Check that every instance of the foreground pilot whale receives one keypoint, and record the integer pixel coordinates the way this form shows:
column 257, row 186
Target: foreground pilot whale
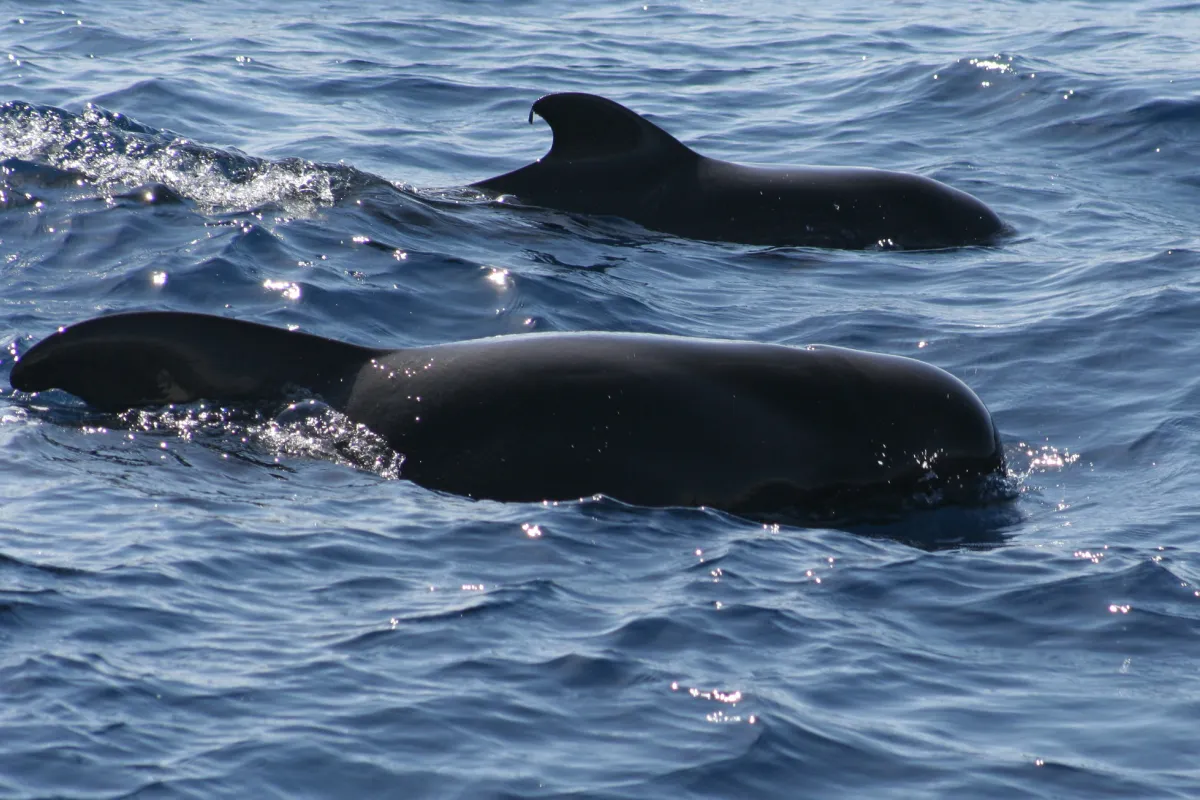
column 606, row 159
column 652, row 420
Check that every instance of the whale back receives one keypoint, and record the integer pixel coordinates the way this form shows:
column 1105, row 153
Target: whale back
column 154, row 358
column 664, row 420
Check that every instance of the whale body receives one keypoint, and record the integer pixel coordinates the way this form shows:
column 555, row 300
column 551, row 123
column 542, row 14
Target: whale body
column 646, row 419
column 608, row 160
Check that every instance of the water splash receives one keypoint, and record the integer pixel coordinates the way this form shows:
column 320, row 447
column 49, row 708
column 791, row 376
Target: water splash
column 106, row 151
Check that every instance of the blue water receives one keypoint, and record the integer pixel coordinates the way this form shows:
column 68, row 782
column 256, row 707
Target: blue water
column 204, row 604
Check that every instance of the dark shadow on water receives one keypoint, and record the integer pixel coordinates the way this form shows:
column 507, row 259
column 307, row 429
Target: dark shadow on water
column 949, row 528
column 987, row 524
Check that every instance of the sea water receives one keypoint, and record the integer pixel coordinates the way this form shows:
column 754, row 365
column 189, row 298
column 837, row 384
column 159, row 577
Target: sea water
column 206, row 602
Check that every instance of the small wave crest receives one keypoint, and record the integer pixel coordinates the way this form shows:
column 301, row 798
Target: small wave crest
column 111, row 152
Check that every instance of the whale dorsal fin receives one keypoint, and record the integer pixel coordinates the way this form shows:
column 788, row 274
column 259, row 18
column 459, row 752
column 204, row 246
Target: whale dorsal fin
column 589, row 126
column 157, row 357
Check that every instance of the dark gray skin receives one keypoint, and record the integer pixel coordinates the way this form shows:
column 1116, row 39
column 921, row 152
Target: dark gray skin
column 646, row 419
column 606, row 159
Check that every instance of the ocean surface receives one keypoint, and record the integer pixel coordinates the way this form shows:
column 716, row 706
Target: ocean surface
column 205, row 603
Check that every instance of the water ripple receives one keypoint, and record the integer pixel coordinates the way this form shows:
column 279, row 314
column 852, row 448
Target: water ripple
column 207, row 602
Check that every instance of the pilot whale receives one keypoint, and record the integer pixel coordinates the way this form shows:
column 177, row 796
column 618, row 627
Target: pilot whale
column 652, row 420
column 606, row 159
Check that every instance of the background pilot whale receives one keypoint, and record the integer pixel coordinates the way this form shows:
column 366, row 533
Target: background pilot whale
column 606, row 159
column 646, row 419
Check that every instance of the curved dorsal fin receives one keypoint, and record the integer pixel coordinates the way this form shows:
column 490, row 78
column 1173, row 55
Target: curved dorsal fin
column 590, row 126
column 157, row 357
